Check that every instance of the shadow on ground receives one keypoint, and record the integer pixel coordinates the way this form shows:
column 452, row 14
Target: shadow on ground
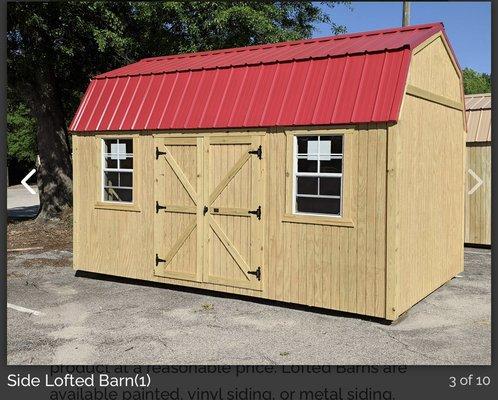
column 22, row 213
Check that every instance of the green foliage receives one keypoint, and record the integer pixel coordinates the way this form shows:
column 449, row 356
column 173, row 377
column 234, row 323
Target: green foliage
column 74, row 40
column 21, row 134
column 176, row 27
column 475, row 82
column 54, row 48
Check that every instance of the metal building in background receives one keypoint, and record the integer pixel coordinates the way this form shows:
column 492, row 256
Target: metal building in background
column 478, row 156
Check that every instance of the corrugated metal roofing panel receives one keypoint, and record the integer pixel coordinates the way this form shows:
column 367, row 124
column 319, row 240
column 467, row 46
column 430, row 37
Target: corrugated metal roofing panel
column 478, row 113
column 477, row 101
column 345, row 79
column 368, row 42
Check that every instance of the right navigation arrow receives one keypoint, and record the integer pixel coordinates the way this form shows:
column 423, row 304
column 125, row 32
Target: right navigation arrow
column 479, row 181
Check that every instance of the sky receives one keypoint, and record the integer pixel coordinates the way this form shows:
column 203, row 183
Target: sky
column 467, row 24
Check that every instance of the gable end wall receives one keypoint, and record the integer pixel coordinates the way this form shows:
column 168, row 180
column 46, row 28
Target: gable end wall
column 427, row 181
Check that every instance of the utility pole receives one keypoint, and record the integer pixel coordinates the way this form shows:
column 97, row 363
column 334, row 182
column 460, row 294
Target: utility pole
column 406, row 13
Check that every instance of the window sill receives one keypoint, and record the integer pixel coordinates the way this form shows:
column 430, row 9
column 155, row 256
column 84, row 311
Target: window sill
column 117, row 207
column 318, row 220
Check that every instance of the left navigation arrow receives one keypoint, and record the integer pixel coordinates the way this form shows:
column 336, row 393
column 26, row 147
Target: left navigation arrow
column 25, row 180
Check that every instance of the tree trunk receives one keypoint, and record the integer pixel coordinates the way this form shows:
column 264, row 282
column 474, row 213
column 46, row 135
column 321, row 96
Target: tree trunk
column 54, row 173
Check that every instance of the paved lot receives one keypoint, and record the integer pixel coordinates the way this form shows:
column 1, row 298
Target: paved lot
column 92, row 320
column 21, row 203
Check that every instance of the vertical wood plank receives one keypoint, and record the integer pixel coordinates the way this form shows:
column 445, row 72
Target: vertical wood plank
column 380, row 226
column 317, row 262
column 353, row 233
column 362, row 219
column 392, row 224
column 371, row 220
column 200, row 204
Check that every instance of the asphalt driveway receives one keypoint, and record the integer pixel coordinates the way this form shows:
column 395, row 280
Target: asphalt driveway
column 21, row 203
column 57, row 317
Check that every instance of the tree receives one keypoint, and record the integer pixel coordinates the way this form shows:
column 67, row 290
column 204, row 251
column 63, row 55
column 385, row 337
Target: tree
column 21, row 138
column 475, row 82
column 55, row 47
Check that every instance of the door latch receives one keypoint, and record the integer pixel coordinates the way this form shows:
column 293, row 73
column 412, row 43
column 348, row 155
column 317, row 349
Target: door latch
column 258, row 152
column 256, row 212
column 256, row 273
column 159, row 153
column 159, row 207
column 158, row 260
column 205, row 209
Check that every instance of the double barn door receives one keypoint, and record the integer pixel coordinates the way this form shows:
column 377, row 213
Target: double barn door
column 208, row 221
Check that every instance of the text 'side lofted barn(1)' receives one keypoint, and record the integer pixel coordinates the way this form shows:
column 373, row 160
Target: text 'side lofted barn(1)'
column 327, row 172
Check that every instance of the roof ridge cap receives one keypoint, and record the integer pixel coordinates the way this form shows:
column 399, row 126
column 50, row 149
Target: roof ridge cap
column 295, row 42
column 487, row 94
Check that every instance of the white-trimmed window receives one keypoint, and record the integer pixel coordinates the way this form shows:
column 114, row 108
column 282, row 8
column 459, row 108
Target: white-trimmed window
column 318, row 168
column 117, row 171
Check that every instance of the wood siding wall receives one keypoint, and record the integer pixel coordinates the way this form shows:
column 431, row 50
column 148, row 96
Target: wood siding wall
column 336, row 267
column 478, row 204
column 113, row 241
column 431, row 69
column 427, row 156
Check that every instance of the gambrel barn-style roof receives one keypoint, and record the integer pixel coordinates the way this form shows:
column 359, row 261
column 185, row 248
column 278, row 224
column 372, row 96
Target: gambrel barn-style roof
column 344, row 79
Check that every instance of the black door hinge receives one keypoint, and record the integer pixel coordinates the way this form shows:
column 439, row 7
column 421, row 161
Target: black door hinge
column 258, row 152
column 256, row 212
column 256, row 273
column 158, row 260
column 205, row 210
column 159, row 153
column 159, row 207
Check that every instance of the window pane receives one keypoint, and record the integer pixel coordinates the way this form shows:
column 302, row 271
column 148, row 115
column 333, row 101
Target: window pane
column 302, row 143
column 324, row 149
column 304, row 165
column 118, row 151
column 306, row 185
column 117, row 185
column 123, row 195
column 110, row 163
column 125, row 179
column 318, row 205
column 330, row 186
column 331, row 166
column 126, row 163
column 108, row 143
column 111, row 178
column 335, row 143
column 128, row 145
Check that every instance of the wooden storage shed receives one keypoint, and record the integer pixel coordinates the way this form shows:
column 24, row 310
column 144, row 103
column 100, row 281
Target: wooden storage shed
column 327, row 172
column 478, row 198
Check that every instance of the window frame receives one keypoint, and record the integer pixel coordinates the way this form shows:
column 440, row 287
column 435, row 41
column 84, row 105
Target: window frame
column 118, row 170
column 291, row 214
column 318, row 175
column 117, row 205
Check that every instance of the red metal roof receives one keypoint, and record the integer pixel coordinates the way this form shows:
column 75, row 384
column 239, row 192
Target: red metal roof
column 344, row 79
